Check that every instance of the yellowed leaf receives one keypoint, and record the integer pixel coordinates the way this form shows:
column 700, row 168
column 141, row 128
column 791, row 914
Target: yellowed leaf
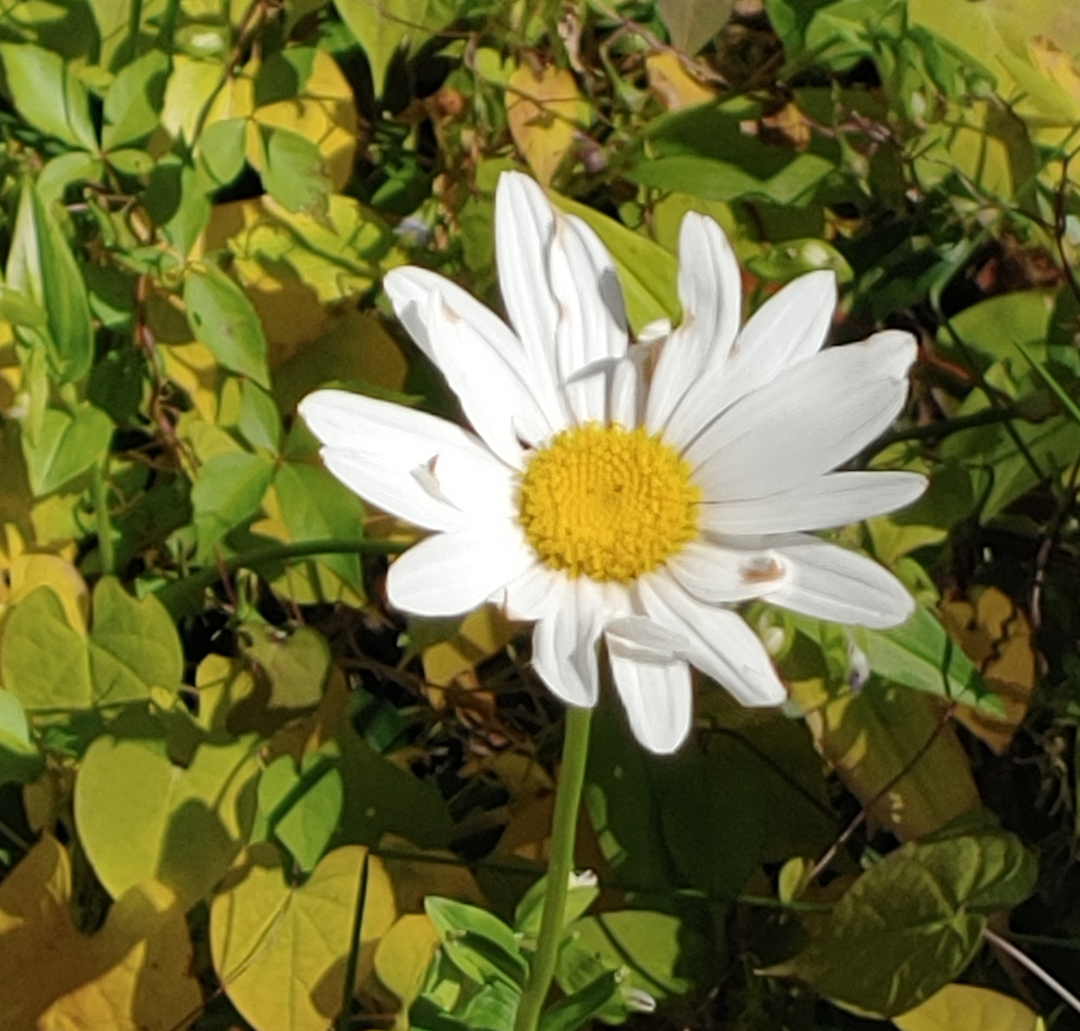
column 29, row 571
column 325, row 112
column 996, row 634
column 966, row 1007
column 402, row 959
column 133, row 975
column 482, row 633
column 873, row 735
column 281, row 949
column 675, row 87
column 544, row 111
column 191, row 84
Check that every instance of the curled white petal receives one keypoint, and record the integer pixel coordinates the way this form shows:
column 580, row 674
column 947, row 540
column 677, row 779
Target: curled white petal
column 375, row 448
column 839, row 585
column 656, row 692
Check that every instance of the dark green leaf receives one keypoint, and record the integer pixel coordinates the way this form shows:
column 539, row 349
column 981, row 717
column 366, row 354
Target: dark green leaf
column 914, row 920
column 223, row 319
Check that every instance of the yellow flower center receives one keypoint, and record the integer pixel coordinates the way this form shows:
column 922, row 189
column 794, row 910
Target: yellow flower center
column 607, row 503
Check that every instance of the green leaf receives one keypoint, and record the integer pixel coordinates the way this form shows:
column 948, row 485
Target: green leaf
column 281, row 949
column 477, row 942
column 577, row 1010
column 225, row 321
column 132, row 648
column 64, row 170
column 227, row 492
column 914, row 920
column 302, row 807
column 655, row 951
column 133, row 644
column 222, row 149
column 133, row 104
column 293, row 173
column 65, row 447
column 582, row 893
column 139, row 815
column 296, row 666
column 716, row 839
column 20, row 760
column 382, row 798
column 692, row 23
column 382, row 29
column 921, row 654
column 704, row 151
column 48, row 94
column 42, row 266
column 315, row 506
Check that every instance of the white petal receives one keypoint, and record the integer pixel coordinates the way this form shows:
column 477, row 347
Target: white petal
column 534, row 594
column 842, row 586
column 375, row 448
column 785, row 331
column 833, row 500
column 452, row 573
column 591, row 330
column 720, row 643
column 710, row 290
column 643, row 637
column 564, row 642
column 657, row 694
column 626, row 391
column 727, row 571
column 808, row 420
column 410, row 288
column 524, row 227
column 496, row 399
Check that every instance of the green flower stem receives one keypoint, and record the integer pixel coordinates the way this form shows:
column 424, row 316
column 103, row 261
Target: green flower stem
column 560, row 867
column 180, row 593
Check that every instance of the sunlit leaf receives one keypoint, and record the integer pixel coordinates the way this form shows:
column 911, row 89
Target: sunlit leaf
column 968, row 1007
column 48, row 94
column 544, row 111
column 280, row 949
column 134, row 974
column 140, row 815
column 131, row 649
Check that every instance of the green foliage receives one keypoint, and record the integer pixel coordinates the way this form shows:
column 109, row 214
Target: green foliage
column 237, row 790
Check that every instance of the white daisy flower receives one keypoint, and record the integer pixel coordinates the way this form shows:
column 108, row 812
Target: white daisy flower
column 606, row 501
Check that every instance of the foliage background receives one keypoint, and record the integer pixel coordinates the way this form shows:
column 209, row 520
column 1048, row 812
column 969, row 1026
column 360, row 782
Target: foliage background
column 217, row 744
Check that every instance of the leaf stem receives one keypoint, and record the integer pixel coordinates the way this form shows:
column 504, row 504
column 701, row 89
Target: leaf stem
column 101, row 512
column 560, row 867
column 174, row 595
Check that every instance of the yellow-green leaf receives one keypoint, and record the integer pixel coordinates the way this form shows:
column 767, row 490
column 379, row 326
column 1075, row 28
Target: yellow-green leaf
column 280, row 949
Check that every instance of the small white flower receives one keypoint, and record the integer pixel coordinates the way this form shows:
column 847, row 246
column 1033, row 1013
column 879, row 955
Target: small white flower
column 601, row 500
